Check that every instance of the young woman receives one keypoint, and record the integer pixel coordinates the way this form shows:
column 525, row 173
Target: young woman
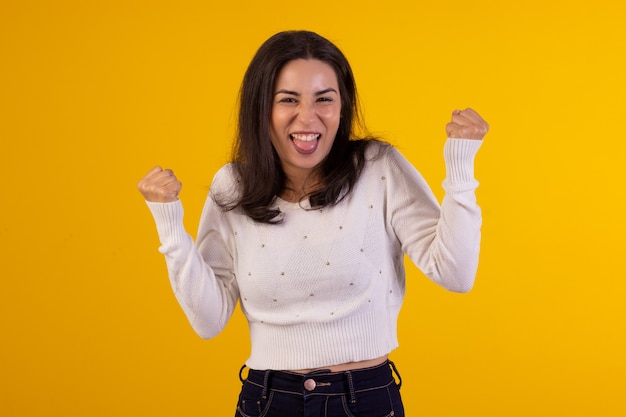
column 307, row 228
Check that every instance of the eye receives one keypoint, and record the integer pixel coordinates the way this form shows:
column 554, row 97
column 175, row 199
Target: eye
column 287, row 100
column 325, row 99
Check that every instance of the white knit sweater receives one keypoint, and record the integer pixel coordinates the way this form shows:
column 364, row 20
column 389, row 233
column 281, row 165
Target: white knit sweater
column 325, row 286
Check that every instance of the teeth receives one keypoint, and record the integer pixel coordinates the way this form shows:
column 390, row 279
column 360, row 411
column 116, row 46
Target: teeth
column 305, row 138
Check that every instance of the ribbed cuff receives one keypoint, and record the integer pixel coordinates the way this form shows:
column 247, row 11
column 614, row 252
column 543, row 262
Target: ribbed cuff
column 169, row 221
column 459, row 156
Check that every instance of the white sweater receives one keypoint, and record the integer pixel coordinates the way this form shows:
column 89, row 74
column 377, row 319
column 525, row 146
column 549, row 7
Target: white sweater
column 325, row 286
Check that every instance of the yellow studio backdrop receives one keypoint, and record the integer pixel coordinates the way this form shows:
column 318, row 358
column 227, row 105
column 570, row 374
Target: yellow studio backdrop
column 94, row 94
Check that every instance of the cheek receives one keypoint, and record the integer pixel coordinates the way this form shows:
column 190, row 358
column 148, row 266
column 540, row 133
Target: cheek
column 331, row 116
column 279, row 121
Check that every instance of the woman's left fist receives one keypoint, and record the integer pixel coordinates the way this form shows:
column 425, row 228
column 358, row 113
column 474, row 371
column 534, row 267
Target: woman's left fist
column 467, row 124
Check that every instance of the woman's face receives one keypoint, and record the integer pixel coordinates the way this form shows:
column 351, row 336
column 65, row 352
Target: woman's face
column 306, row 109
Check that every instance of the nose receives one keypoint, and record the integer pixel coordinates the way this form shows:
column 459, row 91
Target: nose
column 307, row 112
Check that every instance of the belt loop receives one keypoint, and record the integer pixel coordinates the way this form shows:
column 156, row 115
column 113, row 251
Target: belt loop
column 266, row 378
column 395, row 370
column 240, row 373
column 351, row 387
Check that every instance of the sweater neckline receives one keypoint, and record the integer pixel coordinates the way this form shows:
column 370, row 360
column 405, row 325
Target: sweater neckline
column 284, row 204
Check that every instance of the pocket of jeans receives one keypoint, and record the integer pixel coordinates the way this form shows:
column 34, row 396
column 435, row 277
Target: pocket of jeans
column 348, row 407
column 381, row 402
column 251, row 401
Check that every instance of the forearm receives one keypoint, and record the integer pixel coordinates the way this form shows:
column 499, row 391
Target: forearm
column 200, row 293
column 461, row 219
column 443, row 241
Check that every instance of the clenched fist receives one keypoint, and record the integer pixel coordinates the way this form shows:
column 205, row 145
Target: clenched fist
column 160, row 186
column 466, row 124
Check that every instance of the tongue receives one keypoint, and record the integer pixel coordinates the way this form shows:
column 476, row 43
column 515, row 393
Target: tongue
column 305, row 146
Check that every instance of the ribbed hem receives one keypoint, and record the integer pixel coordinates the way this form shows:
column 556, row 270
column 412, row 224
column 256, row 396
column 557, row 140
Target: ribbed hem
column 459, row 156
column 314, row 345
column 169, row 221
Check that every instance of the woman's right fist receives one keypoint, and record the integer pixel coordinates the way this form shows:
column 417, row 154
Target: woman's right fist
column 160, row 186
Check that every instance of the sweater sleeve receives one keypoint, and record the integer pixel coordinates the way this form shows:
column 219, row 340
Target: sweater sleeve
column 200, row 274
column 443, row 241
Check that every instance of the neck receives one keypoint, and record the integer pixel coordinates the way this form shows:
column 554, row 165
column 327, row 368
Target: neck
column 298, row 187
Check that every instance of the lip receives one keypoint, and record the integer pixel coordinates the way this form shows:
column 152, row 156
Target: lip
column 305, row 143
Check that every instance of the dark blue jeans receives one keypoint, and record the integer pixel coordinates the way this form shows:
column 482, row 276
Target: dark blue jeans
column 368, row 392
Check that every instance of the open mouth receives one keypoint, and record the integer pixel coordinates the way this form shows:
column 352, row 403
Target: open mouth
column 305, row 143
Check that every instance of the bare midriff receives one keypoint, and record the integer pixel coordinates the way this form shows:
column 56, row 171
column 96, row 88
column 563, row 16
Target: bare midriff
column 347, row 366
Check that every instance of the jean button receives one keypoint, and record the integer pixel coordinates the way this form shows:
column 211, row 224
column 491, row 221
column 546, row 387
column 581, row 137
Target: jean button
column 309, row 384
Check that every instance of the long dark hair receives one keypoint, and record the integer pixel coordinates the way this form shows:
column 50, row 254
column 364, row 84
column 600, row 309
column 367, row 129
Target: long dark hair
column 259, row 172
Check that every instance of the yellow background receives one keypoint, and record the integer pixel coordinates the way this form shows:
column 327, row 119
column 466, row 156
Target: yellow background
column 95, row 93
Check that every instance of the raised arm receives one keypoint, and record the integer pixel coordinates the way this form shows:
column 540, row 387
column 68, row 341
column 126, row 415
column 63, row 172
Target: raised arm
column 443, row 240
column 202, row 282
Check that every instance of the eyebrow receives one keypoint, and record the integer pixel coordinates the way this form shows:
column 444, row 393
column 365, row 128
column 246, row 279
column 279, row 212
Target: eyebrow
column 317, row 93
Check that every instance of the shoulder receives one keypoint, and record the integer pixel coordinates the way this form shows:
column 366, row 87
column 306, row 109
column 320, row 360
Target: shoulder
column 385, row 162
column 384, row 156
column 226, row 176
column 225, row 182
column 375, row 149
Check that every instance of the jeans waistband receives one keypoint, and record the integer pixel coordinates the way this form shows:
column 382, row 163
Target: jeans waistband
column 323, row 381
